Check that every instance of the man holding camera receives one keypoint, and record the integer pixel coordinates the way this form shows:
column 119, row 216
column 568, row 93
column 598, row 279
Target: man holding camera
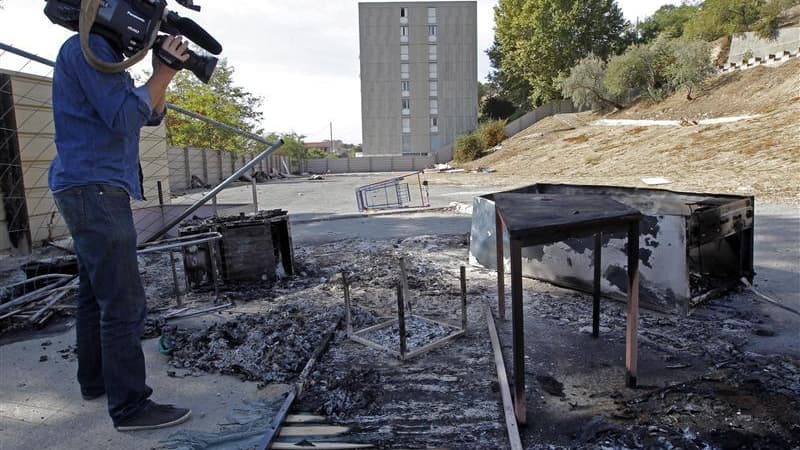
column 98, row 119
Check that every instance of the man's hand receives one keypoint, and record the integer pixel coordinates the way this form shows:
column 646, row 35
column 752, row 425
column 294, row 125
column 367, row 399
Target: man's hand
column 173, row 48
column 162, row 73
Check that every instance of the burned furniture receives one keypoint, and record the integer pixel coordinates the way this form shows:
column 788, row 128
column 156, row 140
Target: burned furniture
column 540, row 219
column 693, row 246
column 253, row 249
column 402, row 322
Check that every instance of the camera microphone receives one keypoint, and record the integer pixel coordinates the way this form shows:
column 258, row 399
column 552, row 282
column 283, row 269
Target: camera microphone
column 194, row 32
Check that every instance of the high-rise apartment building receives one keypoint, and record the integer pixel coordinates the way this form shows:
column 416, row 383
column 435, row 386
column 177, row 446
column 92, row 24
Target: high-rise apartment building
column 419, row 80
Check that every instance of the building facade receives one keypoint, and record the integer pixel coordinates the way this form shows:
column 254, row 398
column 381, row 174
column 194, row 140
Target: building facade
column 419, row 75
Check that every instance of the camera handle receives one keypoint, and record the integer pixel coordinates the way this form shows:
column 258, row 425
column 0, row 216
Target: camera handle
column 89, row 9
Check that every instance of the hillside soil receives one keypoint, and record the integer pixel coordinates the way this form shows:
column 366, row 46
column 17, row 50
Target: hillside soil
column 757, row 156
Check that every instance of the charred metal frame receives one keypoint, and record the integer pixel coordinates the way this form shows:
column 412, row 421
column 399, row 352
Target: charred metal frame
column 403, row 303
column 693, row 246
column 395, row 193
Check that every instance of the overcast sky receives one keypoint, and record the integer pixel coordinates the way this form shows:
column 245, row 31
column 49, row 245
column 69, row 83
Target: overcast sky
column 301, row 56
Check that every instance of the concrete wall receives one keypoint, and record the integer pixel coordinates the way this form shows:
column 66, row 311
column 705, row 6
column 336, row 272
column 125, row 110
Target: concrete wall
column 211, row 166
column 381, row 96
column 445, row 153
column 36, row 132
column 369, row 164
column 786, row 39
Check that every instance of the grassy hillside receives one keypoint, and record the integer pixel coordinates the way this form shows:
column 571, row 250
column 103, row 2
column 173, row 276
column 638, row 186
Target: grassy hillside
column 758, row 156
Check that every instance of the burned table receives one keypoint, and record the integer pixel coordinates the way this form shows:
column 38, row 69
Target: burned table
column 540, row 219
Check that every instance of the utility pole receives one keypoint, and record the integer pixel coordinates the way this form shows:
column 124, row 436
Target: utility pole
column 332, row 148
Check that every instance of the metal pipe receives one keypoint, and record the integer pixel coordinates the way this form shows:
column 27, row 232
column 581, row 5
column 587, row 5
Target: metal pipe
column 180, row 242
column 220, row 187
column 35, row 295
column 178, row 299
column 40, row 277
column 25, row 54
column 255, row 194
column 401, row 322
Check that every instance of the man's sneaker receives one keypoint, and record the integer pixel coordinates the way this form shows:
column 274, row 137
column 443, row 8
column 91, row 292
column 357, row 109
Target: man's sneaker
column 90, row 397
column 154, row 416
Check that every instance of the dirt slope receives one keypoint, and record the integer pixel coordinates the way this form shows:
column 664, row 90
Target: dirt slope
column 758, row 156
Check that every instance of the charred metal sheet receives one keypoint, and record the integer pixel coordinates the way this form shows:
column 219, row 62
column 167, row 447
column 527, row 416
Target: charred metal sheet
column 690, row 245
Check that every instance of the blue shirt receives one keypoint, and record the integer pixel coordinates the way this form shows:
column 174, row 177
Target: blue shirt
column 98, row 118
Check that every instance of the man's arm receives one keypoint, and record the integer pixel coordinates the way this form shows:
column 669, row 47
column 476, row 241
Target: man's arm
column 163, row 74
column 121, row 107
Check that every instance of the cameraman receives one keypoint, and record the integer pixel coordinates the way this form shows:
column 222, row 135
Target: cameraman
column 98, row 118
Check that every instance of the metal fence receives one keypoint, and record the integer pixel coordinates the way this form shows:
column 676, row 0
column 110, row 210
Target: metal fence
column 28, row 215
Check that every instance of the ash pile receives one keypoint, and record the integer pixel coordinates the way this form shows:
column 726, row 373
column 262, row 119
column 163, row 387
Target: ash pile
column 268, row 348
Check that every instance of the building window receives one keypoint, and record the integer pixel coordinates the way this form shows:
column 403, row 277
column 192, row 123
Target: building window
column 434, row 89
column 404, row 12
column 403, row 33
column 432, row 53
column 404, row 53
column 405, row 86
column 406, row 125
column 406, row 143
column 434, row 106
column 431, row 15
column 432, row 31
column 406, row 106
column 404, row 71
column 434, row 124
column 433, row 71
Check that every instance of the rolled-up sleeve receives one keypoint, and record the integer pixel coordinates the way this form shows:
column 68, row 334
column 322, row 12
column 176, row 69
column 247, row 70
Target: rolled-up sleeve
column 156, row 118
column 120, row 106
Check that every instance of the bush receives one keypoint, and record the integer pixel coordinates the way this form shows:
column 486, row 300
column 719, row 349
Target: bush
column 468, row 148
column 492, row 133
column 585, row 85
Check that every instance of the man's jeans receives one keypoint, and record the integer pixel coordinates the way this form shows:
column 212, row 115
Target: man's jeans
column 111, row 300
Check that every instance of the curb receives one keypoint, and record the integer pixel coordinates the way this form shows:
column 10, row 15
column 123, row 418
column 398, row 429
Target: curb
column 368, row 215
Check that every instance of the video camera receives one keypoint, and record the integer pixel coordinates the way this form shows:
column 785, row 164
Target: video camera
column 133, row 26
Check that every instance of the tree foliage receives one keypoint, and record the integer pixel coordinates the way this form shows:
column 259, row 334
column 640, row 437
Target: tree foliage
column 220, row 100
column 643, row 69
column 718, row 18
column 585, row 85
column 496, row 107
column 668, row 20
column 538, row 41
column 691, row 65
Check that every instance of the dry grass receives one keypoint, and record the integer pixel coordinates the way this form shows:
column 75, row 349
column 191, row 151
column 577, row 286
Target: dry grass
column 758, row 156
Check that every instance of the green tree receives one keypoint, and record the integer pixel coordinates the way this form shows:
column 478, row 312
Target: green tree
column 642, row 68
column 668, row 20
column 220, row 100
column 718, row 18
column 538, row 41
column 585, row 85
column 769, row 20
column 692, row 64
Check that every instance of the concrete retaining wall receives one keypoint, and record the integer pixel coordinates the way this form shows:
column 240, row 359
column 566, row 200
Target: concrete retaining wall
column 786, row 39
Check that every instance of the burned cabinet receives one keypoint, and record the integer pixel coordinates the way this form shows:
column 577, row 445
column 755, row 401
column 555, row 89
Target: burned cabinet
column 693, row 245
column 254, row 249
